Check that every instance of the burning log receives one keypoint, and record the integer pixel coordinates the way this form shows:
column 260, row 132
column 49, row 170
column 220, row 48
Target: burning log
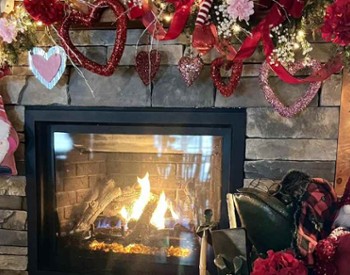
column 129, row 196
column 102, row 196
column 143, row 226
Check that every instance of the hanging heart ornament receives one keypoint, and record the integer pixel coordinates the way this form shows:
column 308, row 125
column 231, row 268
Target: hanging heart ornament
column 300, row 104
column 87, row 21
column 48, row 67
column 190, row 68
column 147, row 65
column 226, row 88
column 4, row 70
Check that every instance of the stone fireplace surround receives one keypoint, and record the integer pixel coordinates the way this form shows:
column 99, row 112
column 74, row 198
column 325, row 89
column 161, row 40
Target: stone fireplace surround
column 273, row 145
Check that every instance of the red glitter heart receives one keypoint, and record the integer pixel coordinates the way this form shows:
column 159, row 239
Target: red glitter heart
column 190, row 68
column 145, row 60
column 226, row 89
column 75, row 18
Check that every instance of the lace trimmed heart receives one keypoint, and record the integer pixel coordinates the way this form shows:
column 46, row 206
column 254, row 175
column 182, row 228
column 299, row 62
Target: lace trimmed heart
column 300, row 104
column 88, row 20
column 147, row 65
column 226, row 89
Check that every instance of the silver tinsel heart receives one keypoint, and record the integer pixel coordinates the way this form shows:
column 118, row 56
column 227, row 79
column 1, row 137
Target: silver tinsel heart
column 190, row 69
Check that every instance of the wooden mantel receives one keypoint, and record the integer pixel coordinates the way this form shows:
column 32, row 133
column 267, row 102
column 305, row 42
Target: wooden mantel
column 343, row 154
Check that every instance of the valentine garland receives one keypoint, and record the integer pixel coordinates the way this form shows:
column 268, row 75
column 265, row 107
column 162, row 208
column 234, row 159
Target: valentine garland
column 281, row 27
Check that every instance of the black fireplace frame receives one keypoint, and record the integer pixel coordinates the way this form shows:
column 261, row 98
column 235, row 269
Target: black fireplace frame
column 42, row 121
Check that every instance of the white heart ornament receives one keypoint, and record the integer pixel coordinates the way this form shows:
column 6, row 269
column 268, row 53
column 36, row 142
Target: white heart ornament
column 7, row 6
column 48, row 67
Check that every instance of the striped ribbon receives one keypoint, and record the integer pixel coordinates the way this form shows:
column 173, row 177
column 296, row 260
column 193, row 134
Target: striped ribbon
column 203, row 14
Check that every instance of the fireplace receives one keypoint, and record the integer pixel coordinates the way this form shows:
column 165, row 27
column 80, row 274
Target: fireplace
column 122, row 191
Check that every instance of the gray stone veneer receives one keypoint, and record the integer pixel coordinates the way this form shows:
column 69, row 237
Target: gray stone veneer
column 274, row 144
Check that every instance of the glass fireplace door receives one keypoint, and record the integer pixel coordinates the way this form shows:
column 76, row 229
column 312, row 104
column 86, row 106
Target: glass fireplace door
column 136, row 194
column 122, row 191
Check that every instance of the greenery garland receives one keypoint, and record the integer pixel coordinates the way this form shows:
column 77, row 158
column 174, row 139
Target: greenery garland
column 21, row 28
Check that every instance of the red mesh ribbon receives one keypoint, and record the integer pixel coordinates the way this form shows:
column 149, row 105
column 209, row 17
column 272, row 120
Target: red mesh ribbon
column 148, row 18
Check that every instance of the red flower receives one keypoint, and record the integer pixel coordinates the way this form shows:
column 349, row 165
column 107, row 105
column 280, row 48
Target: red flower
column 46, row 11
column 279, row 263
column 336, row 26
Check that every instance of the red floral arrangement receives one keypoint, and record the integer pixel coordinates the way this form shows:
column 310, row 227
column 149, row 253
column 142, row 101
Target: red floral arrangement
column 46, row 11
column 336, row 26
column 281, row 263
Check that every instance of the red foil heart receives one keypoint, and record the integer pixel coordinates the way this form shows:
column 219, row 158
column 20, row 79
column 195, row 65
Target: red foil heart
column 88, row 21
column 4, row 70
column 302, row 102
column 226, row 89
column 147, row 65
column 190, row 68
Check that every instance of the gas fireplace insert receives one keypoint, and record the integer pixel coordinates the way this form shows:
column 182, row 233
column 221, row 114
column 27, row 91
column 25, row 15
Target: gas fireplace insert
column 122, row 190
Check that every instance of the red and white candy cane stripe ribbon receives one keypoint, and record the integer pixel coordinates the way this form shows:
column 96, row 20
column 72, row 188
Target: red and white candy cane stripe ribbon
column 203, row 14
column 203, row 39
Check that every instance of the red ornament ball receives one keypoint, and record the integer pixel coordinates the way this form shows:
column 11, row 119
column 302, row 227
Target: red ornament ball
column 46, row 11
column 325, row 249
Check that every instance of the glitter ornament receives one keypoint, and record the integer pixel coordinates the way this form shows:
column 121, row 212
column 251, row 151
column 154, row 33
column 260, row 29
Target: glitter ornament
column 226, row 89
column 88, row 20
column 301, row 103
column 147, row 65
column 190, row 68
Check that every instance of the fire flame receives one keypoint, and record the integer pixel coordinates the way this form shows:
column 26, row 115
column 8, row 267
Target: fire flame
column 158, row 216
column 124, row 213
column 142, row 201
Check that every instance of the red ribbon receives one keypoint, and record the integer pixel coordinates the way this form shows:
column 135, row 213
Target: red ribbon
column 151, row 23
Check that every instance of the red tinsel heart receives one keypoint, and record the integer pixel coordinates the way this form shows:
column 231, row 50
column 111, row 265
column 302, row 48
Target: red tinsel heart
column 147, row 65
column 190, row 68
column 226, row 89
column 88, row 20
column 46, row 11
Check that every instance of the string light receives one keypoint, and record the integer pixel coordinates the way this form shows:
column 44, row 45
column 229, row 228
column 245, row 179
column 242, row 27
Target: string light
column 301, row 34
column 236, row 28
column 167, row 18
column 39, row 23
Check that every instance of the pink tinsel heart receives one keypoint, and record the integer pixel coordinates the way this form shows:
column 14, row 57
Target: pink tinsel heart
column 302, row 102
column 147, row 65
column 190, row 68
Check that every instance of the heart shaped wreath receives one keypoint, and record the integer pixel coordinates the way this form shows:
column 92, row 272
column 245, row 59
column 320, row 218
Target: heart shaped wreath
column 302, row 102
column 88, row 20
